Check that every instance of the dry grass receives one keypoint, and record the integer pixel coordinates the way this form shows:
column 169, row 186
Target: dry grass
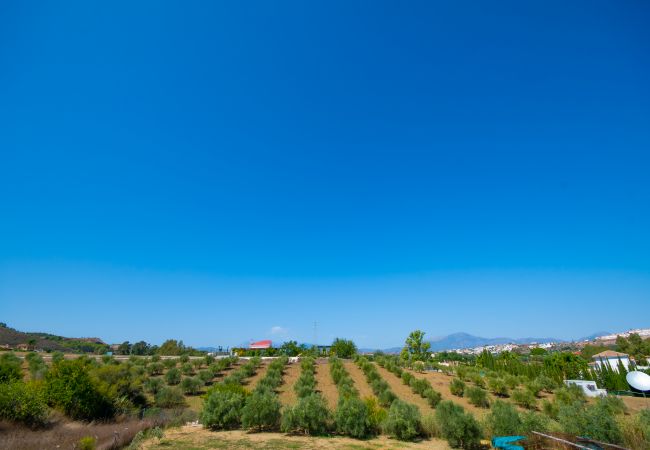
column 66, row 434
column 325, row 385
column 197, row 438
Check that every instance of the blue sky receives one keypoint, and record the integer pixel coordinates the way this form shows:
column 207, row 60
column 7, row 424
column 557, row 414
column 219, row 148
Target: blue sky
column 225, row 172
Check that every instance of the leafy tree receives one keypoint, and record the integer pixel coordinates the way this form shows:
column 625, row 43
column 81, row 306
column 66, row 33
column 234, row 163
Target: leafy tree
column 70, row 388
column 171, row 347
column 498, row 387
column 417, row 348
column 153, row 385
column 458, row 427
column 524, row 398
column 140, row 348
column 403, row 421
column 538, row 351
column 343, row 348
column 121, row 382
column 222, row 409
column 124, row 348
column 187, row 369
column 290, row 348
column 10, row 368
column 261, row 411
column 310, row 416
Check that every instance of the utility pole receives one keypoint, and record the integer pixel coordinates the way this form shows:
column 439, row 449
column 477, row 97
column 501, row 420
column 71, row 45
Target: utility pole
column 316, row 336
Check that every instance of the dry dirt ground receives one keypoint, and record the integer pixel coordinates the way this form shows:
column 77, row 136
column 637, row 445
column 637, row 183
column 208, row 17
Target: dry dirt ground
column 359, row 379
column 286, row 393
column 197, row 438
column 325, row 385
column 403, row 391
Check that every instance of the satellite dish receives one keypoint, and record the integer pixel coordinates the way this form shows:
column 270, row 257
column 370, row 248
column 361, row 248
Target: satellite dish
column 638, row 380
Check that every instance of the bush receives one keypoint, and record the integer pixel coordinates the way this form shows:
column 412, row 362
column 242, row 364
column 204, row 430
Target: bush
column 547, row 384
column 153, row 385
column 184, row 359
column 524, row 398
column 191, row 385
column 376, row 414
column 173, row 376
column 429, row 426
column 169, row 363
column 406, row 378
column 155, row 368
column 403, row 421
column 636, row 430
column 498, row 387
column 418, row 366
column 457, row 387
column 568, row 395
column 460, row 429
column 70, row 388
column 205, row 376
column 222, row 409
column 187, row 369
column 433, row 397
column 261, row 411
column 169, row 397
column 477, row 397
column 503, row 420
column 351, row 418
column 23, row 402
column 595, row 422
column 10, row 368
column 534, row 388
column 310, row 415
column 87, row 443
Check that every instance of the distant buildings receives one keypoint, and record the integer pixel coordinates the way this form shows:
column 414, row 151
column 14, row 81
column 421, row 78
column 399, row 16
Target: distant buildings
column 260, row 345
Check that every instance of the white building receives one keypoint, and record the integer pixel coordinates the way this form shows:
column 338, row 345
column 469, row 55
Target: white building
column 589, row 388
column 611, row 358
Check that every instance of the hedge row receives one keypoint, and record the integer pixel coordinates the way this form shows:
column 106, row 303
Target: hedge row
column 420, row 386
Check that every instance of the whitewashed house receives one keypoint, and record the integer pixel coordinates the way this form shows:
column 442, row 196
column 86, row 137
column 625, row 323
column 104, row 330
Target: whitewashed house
column 611, row 358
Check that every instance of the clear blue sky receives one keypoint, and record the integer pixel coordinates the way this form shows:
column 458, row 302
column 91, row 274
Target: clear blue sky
column 224, row 171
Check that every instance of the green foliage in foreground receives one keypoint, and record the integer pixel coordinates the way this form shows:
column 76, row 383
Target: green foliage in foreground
column 23, row 402
column 309, row 416
column 403, row 421
column 458, row 427
column 352, row 418
column 70, row 388
column 222, row 409
column 261, row 411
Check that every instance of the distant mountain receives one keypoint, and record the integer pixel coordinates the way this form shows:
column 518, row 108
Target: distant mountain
column 598, row 334
column 465, row 340
column 43, row 341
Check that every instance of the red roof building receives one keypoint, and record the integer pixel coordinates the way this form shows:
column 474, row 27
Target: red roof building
column 260, row 345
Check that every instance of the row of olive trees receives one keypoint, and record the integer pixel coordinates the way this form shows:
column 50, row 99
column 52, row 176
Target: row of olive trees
column 420, row 386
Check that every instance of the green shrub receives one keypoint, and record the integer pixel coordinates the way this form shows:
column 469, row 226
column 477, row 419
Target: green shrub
column 184, row 359
column 187, row 369
column 614, row 405
column 352, row 418
column 418, row 366
column 310, row 415
column 153, row 385
column 205, row 376
column 498, row 387
column 430, row 426
column 169, row 363
column 406, row 378
column 403, row 421
column 173, row 376
column 433, row 397
column 460, row 429
column 457, row 387
column 534, row 388
column 155, row 368
column 23, row 402
column 511, row 381
column 636, row 430
column 376, row 414
column 261, row 411
column 87, row 443
column 547, row 384
column 503, row 419
column 191, row 385
column 57, row 357
column 222, row 409
column 477, row 397
column 10, row 368
column 70, row 388
column 568, row 395
column 524, row 398
column 169, row 397
column 595, row 422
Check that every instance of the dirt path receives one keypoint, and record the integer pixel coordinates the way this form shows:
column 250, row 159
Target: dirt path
column 251, row 382
column 403, row 391
column 198, row 438
column 325, row 385
column 286, row 393
column 359, row 379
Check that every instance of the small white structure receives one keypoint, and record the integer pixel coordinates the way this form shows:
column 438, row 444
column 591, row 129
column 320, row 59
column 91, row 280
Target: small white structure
column 611, row 358
column 588, row 387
